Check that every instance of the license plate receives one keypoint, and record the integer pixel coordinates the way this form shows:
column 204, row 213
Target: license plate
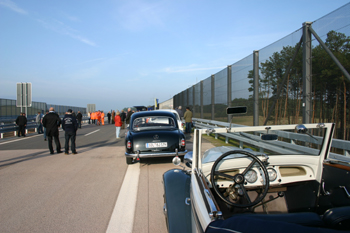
column 156, row 144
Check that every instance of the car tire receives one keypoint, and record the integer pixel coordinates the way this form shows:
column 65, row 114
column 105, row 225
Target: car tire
column 128, row 161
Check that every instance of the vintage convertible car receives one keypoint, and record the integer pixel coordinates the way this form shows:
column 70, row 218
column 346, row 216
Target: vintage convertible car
column 283, row 181
column 179, row 121
column 153, row 134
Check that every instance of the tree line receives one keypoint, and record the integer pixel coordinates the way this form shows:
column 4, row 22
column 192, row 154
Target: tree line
column 330, row 88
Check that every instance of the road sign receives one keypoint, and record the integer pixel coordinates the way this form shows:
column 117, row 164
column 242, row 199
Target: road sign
column 24, row 95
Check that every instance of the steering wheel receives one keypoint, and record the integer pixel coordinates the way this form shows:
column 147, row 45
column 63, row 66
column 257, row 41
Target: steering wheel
column 240, row 180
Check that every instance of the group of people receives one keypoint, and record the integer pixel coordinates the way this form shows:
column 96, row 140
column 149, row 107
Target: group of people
column 52, row 122
column 49, row 125
column 121, row 119
column 97, row 118
column 187, row 117
column 21, row 123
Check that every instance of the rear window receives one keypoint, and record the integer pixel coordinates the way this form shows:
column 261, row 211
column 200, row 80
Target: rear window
column 153, row 122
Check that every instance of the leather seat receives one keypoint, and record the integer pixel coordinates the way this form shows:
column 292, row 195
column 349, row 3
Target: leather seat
column 337, row 218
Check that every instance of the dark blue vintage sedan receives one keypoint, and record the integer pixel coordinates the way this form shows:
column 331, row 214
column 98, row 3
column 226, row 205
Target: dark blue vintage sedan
column 153, row 134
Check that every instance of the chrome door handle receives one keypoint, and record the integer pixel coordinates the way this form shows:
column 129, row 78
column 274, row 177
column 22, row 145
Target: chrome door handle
column 326, row 193
column 346, row 191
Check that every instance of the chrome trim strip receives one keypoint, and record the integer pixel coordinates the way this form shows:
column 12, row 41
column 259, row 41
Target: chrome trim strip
column 160, row 154
column 211, row 207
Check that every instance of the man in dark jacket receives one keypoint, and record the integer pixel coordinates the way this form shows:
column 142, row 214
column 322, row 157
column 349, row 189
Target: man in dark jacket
column 109, row 117
column 52, row 122
column 21, row 122
column 70, row 126
column 122, row 117
column 179, row 111
column 79, row 118
column 127, row 118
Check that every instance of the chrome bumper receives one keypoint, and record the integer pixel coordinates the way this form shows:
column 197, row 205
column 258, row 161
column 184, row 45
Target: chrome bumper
column 158, row 154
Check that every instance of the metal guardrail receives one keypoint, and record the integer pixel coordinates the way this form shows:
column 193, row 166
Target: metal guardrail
column 290, row 148
column 13, row 128
column 31, row 124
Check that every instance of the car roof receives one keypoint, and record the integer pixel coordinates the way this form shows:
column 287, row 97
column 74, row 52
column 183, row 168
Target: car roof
column 153, row 113
column 168, row 110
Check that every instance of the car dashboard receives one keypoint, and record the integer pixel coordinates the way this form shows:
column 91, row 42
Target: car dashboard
column 282, row 170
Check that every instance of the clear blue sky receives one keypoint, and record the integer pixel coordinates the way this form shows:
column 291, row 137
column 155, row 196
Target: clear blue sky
column 121, row 53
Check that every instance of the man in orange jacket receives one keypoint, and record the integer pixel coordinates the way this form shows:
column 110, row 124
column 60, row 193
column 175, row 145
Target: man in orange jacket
column 102, row 118
column 98, row 116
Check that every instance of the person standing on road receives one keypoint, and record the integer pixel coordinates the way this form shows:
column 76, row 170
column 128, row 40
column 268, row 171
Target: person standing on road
column 118, row 123
column 113, row 116
column 93, row 118
column 79, row 119
column 109, row 117
column 38, row 122
column 122, row 117
column 21, row 122
column 102, row 118
column 43, row 126
column 70, row 126
column 179, row 111
column 188, row 120
column 127, row 118
column 98, row 117
column 52, row 122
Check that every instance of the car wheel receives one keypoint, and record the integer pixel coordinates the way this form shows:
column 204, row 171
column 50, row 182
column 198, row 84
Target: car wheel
column 128, row 160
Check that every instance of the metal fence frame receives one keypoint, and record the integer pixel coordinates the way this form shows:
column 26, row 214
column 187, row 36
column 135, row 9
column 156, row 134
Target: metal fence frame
column 9, row 110
column 211, row 90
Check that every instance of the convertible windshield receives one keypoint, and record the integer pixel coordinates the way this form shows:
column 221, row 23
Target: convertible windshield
column 152, row 122
column 272, row 142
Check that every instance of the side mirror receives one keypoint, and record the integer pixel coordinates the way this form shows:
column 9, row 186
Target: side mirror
column 301, row 129
column 269, row 137
column 236, row 110
column 188, row 159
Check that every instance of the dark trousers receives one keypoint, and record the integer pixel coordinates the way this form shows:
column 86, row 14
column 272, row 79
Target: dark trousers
column 79, row 124
column 71, row 136
column 57, row 142
column 188, row 127
column 21, row 130
column 40, row 128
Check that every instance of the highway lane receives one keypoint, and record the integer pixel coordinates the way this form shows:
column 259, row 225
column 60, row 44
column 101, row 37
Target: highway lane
column 78, row 193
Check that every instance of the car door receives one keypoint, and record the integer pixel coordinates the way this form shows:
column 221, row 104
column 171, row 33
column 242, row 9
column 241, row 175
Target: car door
column 335, row 183
column 204, row 207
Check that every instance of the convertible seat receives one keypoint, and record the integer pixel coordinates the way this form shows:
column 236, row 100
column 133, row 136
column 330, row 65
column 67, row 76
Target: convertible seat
column 247, row 224
column 337, row 218
column 309, row 219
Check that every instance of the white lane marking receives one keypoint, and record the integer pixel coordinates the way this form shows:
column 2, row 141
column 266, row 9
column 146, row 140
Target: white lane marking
column 20, row 139
column 91, row 132
column 122, row 219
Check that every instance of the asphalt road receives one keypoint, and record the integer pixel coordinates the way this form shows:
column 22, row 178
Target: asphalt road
column 93, row 191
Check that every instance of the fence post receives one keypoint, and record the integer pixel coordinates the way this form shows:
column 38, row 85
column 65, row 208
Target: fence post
column 307, row 66
column 193, row 99
column 256, row 88
column 201, row 101
column 229, row 89
column 212, row 97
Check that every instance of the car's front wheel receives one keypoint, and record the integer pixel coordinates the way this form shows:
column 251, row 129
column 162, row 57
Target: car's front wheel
column 128, row 160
